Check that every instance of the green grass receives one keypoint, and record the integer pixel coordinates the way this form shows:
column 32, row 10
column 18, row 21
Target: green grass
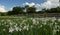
column 29, row 26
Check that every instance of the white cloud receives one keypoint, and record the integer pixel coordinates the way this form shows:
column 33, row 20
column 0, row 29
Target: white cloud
column 2, row 9
column 30, row 4
column 48, row 4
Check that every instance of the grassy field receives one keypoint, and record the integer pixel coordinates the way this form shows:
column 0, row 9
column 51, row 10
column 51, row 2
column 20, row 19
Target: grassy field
column 29, row 26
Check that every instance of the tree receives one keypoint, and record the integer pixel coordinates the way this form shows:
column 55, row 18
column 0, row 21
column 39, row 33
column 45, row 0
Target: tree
column 17, row 10
column 30, row 9
column 10, row 13
column 58, row 9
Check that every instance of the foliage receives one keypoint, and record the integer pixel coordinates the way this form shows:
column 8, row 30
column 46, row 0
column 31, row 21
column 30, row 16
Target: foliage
column 53, row 10
column 16, row 10
column 29, row 26
column 31, row 9
column 27, row 9
column 3, row 14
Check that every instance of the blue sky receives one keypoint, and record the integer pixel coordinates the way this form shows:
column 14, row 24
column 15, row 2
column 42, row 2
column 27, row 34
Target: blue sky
column 11, row 3
column 8, row 4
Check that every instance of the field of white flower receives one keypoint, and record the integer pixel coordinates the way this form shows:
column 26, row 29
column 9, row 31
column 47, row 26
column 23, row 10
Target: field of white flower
column 29, row 26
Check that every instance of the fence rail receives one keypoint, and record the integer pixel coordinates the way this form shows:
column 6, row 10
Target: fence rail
column 57, row 15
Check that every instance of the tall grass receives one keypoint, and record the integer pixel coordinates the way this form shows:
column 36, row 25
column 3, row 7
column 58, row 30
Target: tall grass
column 29, row 26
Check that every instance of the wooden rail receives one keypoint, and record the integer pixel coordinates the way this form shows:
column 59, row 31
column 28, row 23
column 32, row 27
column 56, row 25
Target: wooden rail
column 57, row 15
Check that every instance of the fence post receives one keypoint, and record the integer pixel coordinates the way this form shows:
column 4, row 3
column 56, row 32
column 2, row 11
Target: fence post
column 45, row 15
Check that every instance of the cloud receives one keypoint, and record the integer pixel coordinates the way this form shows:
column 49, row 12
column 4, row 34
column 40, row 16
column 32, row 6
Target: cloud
column 2, row 9
column 48, row 4
column 30, row 4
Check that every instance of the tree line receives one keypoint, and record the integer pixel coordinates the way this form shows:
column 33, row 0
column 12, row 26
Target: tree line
column 28, row 10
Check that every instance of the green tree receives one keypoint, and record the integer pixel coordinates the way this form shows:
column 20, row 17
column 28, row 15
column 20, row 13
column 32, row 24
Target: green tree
column 31, row 10
column 17, row 10
column 10, row 13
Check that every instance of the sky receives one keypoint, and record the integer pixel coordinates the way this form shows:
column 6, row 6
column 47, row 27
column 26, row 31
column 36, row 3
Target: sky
column 6, row 5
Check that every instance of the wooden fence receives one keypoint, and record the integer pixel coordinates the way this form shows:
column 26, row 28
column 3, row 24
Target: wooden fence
column 57, row 15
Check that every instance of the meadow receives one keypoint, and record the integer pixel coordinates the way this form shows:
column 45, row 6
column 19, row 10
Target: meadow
column 29, row 26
